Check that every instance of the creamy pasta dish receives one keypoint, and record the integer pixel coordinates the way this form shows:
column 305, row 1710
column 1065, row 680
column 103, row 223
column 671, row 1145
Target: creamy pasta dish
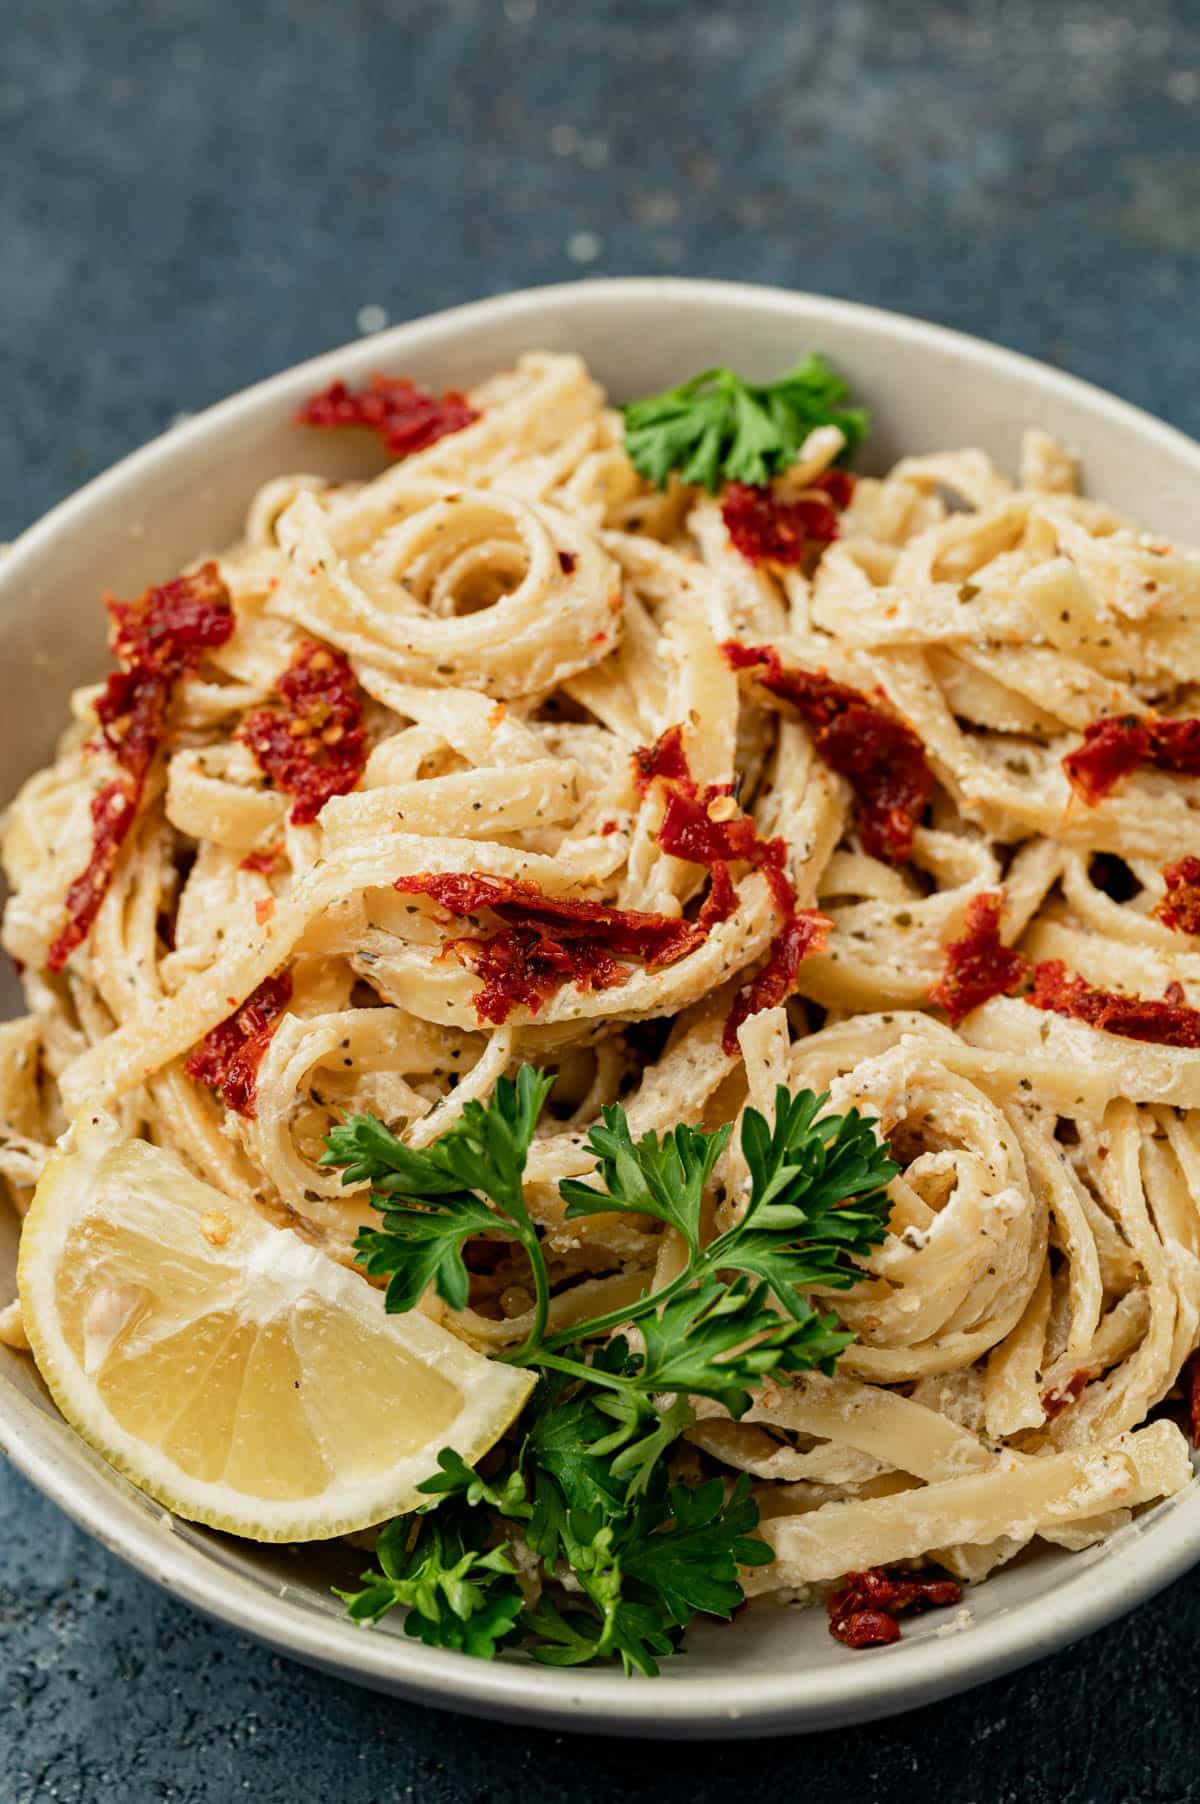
column 681, row 962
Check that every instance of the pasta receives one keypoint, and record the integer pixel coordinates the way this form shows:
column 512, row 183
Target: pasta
column 521, row 658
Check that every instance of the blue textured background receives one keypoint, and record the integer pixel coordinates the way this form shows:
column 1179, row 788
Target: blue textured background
column 194, row 193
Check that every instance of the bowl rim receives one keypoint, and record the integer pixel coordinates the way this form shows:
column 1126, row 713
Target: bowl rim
column 60, row 1465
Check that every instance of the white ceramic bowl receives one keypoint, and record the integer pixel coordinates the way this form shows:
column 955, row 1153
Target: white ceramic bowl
column 772, row 1669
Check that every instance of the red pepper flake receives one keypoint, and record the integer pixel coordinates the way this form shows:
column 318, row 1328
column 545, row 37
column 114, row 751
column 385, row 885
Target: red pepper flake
column 1116, row 744
column 863, row 1610
column 1064, row 1394
column 310, row 738
column 1180, row 907
column 880, row 755
column 547, row 941
column 979, row 965
column 688, row 830
column 264, row 861
column 1189, row 1379
column 160, row 638
column 1169, row 1022
column 228, row 1057
column 406, row 417
column 567, row 562
column 767, row 530
column 608, row 827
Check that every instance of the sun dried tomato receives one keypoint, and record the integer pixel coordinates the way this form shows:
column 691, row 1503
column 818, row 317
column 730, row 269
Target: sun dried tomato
column 862, row 1611
column 839, row 485
column 864, row 1628
column 405, row 417
column 114, row 810
column 1169, row 1022
column 1111, row 748
column 228, row 1057
column 310, row 739
column 880, row 755
column 769, row 530
column 978, row 965
column 689, row 831
column 1180, row 907
column 1117, row 744
column 160, row 637
column 168, row 628
column 546, row 941
column 804, row 932
column 1175, row 746
column 522, row 967
column 665, row 759
column 721, row 900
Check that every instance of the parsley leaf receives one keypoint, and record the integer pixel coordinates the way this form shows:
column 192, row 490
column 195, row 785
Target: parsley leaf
column 563, row 1444
column 818, row 1196
column 636, row 1628
column 717, row 428
column 638, row 1459
column 419, row 1247
column 570, row 1638
column 456, row 1479
column 432, row 1198
column 692, row 1563
column 664, row 1178
column 457, row 1594
column 496, row 1620
column 676, row 1556
column 718, row 1340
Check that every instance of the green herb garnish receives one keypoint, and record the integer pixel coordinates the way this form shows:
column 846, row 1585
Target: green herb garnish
column 717, row 428
column 456, row 1593
column 584, row 1471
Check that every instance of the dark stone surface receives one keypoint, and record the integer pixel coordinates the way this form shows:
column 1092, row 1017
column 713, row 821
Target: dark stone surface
column 198, row 192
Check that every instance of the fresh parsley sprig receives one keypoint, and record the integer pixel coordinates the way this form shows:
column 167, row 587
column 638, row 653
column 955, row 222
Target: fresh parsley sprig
column 583, row 1478
column 458, row 1592
column 817, row 1198
column 645, row 1572
column 674, row 1557
column 717, row 428
column 432, row 1198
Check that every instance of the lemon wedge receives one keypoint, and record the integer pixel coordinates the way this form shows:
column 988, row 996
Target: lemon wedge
column 229, row 1369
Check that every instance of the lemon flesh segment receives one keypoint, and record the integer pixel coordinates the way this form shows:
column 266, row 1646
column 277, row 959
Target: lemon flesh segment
column 226, row 1367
